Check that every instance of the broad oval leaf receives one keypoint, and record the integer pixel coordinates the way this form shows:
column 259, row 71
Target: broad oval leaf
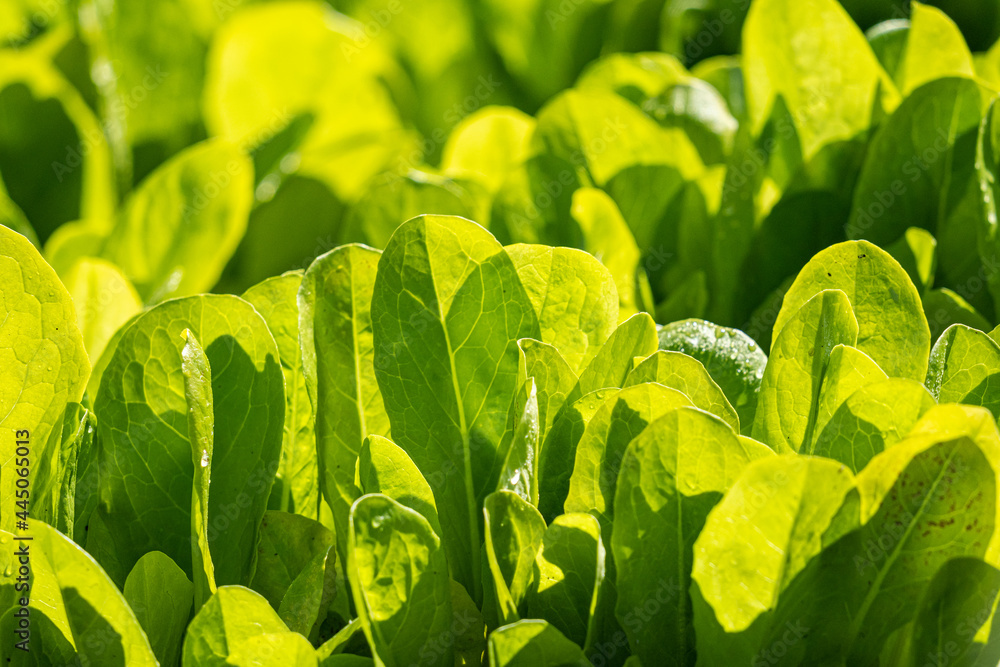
column 100, row 624
column 399, row 579
column 104, row 299
column 672, row 475
column 182, row 224
column 965, row 368
column 687, row 375
column 533, row 643
column 558, row 455
column 849, row 369
column 789, row 392
column 574, row 298
column 570, row 567
column 731, row 357
column 287, row 547
column 274, row 68
column 144, row 427
column 385, row 468
column 892, row 328
column 514, row 532
column 765, row 531
column 554, row 380
column 273, row 650
column 232, row 617
column 601, row 451
column 871, row 420
column 447, row 312
column 488, row 143
column 807, row 54
column 42, row 355
column 919, row 171
column 161, row 596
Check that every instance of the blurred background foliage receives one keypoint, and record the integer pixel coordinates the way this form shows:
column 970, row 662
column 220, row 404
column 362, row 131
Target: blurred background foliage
column 208, row 144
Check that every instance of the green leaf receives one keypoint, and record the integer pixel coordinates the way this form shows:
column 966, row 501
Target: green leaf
column 554, row 380
column 201, row 434
column 608, row 238
column 335, row 330
column 272, row 66
column 274, row 650
column 952, row 421
column 687, row 375
column 798, row 226
column 520, row 468
column 154, row 90
column 55, row 162
column 103, row 628
column 276, row 301
column 385, row 468
column 305, row 604
column 182, row 224
column 956, row 603
column 143, row 428
column 399, row 579
column 599, row 455
column 514, row 533
column 808, row 53
column 570, row 564
column 789, row 392
column 848, row 370
column 944, row 308
column 447, row 312
column 732, row 358
column 916, row 252
column 919, row 171
column 603, row 134
column 394, row 199
column 574, row 298
column 161, row 596
column 965, row 368
column 558, row 454
column 871, row 420
column 104, row 299
column 756, row 542
column 542, row 43
column 533, row 643
column 289, row 547
column 908, row 493
column 533, row 204
column 892, row 329
column 43, row 358
column 672, row 475
column 935, row 49
column 634, row 76
column 775, row 517
column 232, row 617
column 63, row 488
column 988, row 175
column 635, row 337
column 469, row 627
column 486, row 144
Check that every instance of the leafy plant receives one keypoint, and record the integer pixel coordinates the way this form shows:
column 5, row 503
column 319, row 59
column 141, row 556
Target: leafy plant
column 549, row 348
